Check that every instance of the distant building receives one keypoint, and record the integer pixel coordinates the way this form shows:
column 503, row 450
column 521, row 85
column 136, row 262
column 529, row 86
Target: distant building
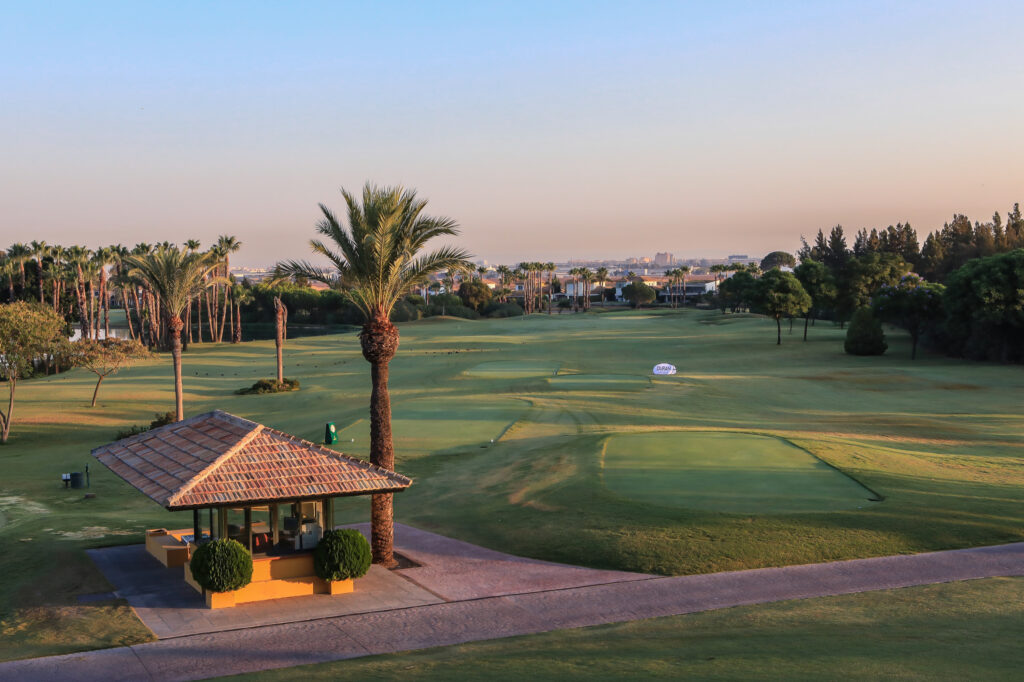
column 739, row 258
column 664, row 259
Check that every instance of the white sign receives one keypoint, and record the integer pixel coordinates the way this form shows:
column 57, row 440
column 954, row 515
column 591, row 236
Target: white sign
column 664, row 368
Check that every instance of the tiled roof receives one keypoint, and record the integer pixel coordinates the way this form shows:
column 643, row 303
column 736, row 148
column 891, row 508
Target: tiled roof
column 217, row 459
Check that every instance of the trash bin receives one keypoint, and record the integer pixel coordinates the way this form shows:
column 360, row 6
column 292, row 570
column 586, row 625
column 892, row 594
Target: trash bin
column 77, row 479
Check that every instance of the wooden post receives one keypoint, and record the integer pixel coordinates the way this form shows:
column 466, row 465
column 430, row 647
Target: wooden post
column 222, row 522
column 197, row 529
column 213, row 533
column 275, row 523
column 248, row 529
column 328, row 514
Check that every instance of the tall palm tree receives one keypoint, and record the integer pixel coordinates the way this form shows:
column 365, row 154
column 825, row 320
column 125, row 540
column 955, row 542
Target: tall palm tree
column 20, row 254
column 227, row 245
column 601, row 275
column 378, row 258
column 241, row 296
column 192, row 245
column 683, row 271
column 40, row 250
column 174, row 278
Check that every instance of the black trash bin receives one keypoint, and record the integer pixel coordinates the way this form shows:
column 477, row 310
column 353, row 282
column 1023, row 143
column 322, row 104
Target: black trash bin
column 77, row 479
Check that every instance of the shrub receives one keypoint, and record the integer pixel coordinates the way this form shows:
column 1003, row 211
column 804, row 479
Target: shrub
column 404, row 311
column 865, row 336
column 456, row 310
column 221, row 565
column 131, row 431
column 414, row 299
column 342, row 554
column 503, row 310
column 163, row 420
column 270, row 386
column 475, row 295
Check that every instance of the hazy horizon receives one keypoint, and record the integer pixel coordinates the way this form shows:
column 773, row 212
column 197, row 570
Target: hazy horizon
column 549, row 132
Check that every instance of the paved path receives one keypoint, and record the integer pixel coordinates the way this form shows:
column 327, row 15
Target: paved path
column 489, row 617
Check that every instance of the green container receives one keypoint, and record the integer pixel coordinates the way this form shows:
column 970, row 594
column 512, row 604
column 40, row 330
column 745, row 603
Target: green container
column 330, row 434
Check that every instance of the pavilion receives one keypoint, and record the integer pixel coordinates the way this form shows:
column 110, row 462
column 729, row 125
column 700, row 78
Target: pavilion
column 268, row 490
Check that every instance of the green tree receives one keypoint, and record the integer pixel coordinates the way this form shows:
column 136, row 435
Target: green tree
column 475, row 294
column 779, row 294
column 105, row 357
column 379, row 259
column 777, row 259
column 174, row 278
column 638, row 293
column 737, row 291
column 29, row 333
column 912, row 303
column 819, row 285
column 984, row 300
column 865, row 335
column 863, row 276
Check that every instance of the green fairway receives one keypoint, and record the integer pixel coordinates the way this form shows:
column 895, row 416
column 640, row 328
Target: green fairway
column 513, row 369
column 599, row 382
column 726, row 472
column 941, row 440
column 958, row 631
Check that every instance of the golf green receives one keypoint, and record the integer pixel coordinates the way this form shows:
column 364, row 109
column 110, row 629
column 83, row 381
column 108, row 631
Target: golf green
column 726, row 472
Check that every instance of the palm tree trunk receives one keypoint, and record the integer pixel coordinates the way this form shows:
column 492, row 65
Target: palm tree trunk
column 279, row 311
column 199, row 318
column 12, row 383
column 379, row 340
column 174, row 325
column 127, row 314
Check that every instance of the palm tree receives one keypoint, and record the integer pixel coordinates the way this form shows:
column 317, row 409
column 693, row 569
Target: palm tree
column 192, row 245
column 241, row 295
column 227, row 245
column 683, row 271
column 20, row 254
column 174, row 278
column 40, row 250
column 378, row 259
column 549, row 267
column 602, row 277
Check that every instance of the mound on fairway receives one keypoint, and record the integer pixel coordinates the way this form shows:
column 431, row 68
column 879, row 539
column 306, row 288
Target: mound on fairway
column 599, row 382
column 421, row 427
column 513, row 369
column 726, row 472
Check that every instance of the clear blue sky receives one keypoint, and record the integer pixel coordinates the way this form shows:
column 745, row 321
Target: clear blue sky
column 547, row 129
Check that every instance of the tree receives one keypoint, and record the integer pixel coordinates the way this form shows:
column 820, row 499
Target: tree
column 602, row 276
column 863, row 276
column 475, row 295
column 984, row 301
column 240, row 295
column 174, row 278
column 865, row 336
column 912, row 303
column 780, row 294
column 819, row 285
column 737, row 290
column 104, row 357
column 29, row 333
column 378, row 258
column 777, row 259
column 280, row 325
column 638, row 293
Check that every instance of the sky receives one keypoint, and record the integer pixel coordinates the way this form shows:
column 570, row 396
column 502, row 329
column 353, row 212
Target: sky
column 548, row 130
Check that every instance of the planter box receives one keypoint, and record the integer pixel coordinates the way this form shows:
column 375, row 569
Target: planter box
column 274, row 578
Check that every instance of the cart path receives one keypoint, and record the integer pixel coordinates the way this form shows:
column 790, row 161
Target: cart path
column 476, row 617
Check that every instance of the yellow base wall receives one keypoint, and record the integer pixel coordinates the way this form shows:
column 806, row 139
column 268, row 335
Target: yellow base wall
column 274, row 578
column 167, row 548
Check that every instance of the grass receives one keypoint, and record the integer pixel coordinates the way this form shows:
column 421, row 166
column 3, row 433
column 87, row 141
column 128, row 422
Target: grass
column 940, row 439
column 958, row 631
column 727, row 472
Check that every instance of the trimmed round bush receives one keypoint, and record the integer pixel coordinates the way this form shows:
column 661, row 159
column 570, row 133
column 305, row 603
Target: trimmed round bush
column 342, row 554
column 865, row 335
column 221, row 565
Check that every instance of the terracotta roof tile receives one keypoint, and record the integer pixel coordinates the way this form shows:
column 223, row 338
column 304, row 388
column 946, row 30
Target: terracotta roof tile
column 218, row 458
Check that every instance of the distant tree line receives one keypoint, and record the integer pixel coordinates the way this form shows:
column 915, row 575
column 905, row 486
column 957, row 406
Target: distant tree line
column 961, row 292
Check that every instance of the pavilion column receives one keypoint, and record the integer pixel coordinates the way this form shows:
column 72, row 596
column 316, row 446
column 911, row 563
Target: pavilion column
column 248, row 529
column 197, row 527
